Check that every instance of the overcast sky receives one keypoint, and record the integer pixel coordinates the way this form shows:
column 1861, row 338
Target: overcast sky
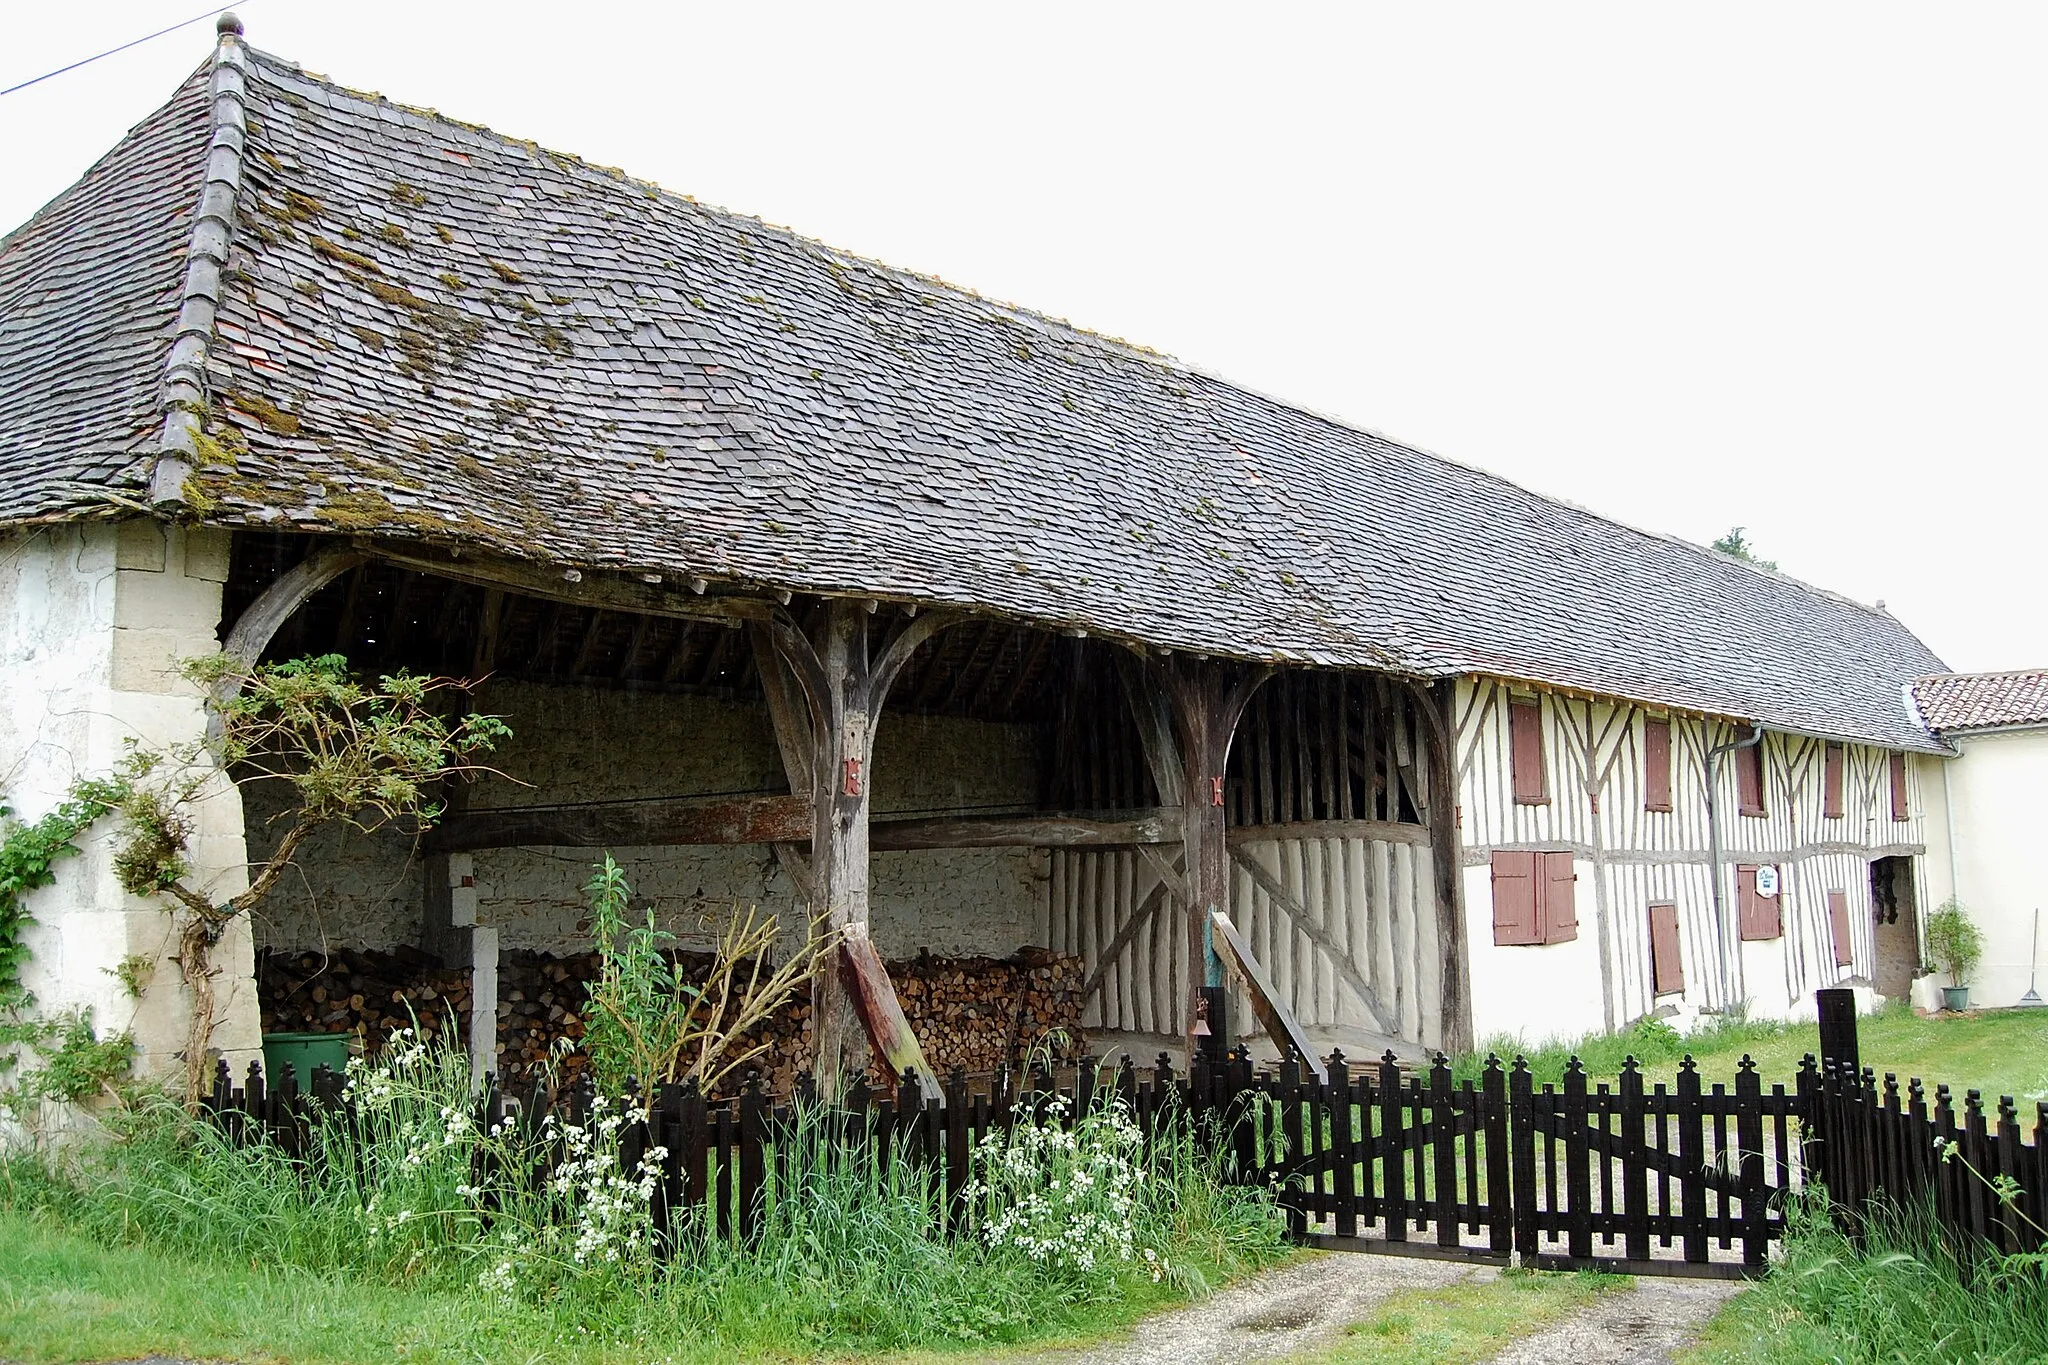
column 1692, row 266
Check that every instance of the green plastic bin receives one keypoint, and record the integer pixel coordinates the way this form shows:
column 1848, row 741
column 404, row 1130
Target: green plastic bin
column 304, row 1051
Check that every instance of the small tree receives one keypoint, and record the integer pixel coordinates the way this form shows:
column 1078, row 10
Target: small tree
column 365, row 755
column 1737, row 544
column 1954, row 941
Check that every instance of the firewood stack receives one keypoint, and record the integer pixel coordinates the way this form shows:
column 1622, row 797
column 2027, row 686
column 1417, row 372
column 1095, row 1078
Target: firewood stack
column 976, row 1012
column 980, row 1013
column 362, row 991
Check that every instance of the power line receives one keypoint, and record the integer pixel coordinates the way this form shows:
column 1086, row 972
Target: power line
column 88, row 61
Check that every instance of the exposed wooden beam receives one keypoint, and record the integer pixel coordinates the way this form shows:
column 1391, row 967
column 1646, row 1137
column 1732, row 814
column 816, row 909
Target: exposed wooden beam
column 1172, row 877
column 490, row 624
column 633, row 824
column 1445, row 840
column 544, row 633
column 1047, row 830
column 587, row 647
column 1041, row 641
column 679, row 651
column 632, row 655
column 591, row 588
column 261, row 619
column 1385, row 831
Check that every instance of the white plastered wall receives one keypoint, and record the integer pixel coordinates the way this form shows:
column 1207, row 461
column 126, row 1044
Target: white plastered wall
column 94, row 622
column 1998, row 818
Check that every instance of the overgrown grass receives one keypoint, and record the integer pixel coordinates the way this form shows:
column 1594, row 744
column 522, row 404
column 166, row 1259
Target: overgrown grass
column 2002, row 1052
column 1900, row 1297
column 1469, row 1321
column 850, row 1257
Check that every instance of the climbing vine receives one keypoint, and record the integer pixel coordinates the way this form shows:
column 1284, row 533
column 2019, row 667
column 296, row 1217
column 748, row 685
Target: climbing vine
column 28, row 857
column 76, row 1061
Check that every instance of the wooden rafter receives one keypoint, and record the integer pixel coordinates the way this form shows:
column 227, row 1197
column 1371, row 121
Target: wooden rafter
column 587, row 647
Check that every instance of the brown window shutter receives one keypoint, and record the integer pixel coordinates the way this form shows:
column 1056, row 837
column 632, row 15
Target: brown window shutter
column 1831, row 783
column 1756, row 915
column 1514, row 899
column 1838, row 920
column 1656, row 765
column 1667, row 973
column 1560, row 899
column 1900, row 809
column 1525, row 751
column 1749, row 779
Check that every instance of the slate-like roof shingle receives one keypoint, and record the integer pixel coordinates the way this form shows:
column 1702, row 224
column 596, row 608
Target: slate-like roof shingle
column 1983, row 701
column 434, row 331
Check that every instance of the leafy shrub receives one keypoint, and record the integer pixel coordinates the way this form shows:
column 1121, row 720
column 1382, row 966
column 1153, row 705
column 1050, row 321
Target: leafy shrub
column 1954, row 941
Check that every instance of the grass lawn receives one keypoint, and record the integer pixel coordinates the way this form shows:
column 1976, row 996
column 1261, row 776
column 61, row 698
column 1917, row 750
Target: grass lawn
column 2000, row 1052
column 64, row 1297
column 1457, row 1324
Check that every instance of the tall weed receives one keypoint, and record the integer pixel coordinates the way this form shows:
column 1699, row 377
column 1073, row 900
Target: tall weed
column 1903, row 1295
column 852, row 1252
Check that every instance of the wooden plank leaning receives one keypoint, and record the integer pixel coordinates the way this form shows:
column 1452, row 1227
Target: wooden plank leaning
column 1278, row 1021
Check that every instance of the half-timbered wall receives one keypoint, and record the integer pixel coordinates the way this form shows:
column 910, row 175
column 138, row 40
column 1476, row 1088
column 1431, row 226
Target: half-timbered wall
column 1331, row 880
column 1597, row 806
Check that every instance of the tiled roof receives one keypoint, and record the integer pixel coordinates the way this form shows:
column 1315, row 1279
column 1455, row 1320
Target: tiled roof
column 1977, row 701
column 89, row 289
column 430, row 330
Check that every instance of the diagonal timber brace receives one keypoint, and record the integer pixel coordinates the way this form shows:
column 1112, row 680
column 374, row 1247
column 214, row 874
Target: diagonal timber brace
column 1278, row 1021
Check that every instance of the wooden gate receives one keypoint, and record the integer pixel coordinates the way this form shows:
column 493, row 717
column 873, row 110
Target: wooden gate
column 1625, row 1177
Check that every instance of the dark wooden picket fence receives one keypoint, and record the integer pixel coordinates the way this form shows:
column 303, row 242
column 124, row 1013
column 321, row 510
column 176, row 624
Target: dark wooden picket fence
column 1685, row 1179
column 1985, row 1184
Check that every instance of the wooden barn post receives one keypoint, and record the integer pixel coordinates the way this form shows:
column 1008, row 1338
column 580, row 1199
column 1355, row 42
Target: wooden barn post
column 845, row 682
column 1438, row 706
column 1208, row 698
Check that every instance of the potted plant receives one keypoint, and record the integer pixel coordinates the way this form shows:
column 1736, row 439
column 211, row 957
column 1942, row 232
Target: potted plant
column 1957, row 948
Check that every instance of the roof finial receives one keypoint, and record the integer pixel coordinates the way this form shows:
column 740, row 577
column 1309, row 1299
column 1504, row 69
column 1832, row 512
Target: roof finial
column 228, row 23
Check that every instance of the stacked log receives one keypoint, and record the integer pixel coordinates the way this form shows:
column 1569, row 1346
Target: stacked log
column 362, row 992
column 980, row 1013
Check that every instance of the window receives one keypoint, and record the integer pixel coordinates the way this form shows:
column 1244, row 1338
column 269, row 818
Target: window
column 1525, row 752
column 1756, row 912
column 1656, row 765
column 1534, row 898
column 1901, row 810
column 1749, row 779
column 1838, row 923
column 1667, row 974
column 1831, row 783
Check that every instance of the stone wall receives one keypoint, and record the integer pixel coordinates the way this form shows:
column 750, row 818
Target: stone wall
column 589, row 744
column 95, row 620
